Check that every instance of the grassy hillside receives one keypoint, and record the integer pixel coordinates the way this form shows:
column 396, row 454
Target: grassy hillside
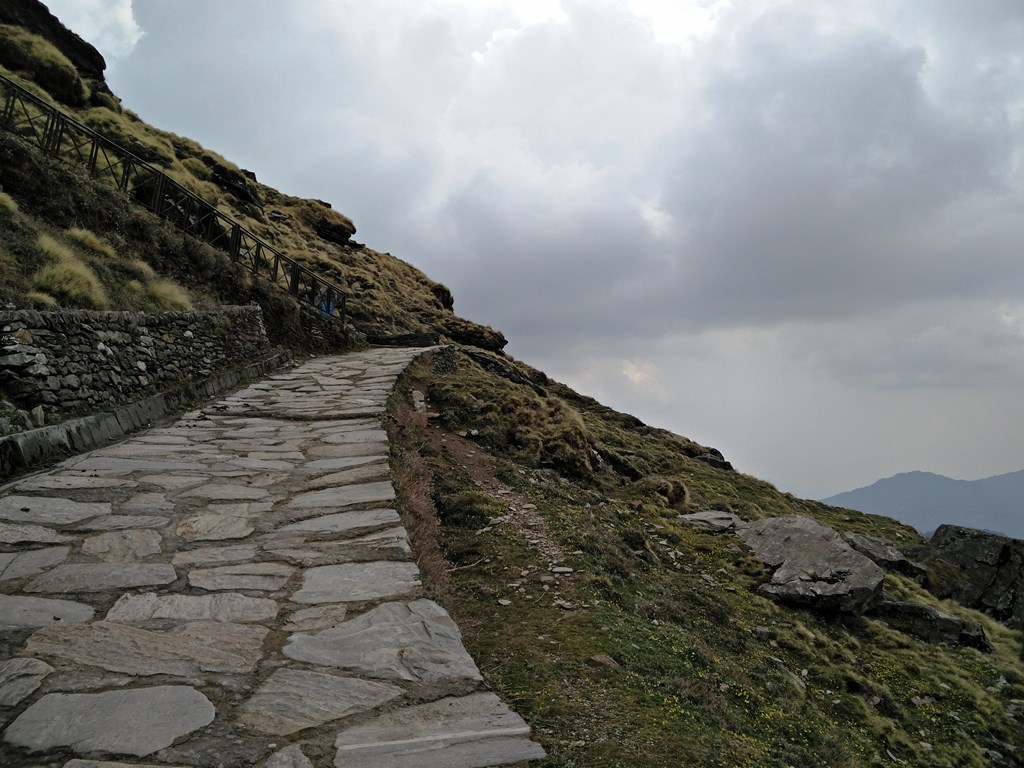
column 657, row 649
column 545, row 522
column 68, row 241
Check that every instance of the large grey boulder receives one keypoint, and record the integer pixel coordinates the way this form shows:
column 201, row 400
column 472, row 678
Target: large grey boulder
column 815, row 567
column 712, row 520
column 883, row 554
column 931, row 624
column 979, row 569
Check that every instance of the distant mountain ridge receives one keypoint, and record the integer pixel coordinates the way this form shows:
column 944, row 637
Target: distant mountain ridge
column 926, row 500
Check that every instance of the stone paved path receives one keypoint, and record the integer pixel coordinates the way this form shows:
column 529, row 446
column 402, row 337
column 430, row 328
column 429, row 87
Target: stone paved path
column 236, row 589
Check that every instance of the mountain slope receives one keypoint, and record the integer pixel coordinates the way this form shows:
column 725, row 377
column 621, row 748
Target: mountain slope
column 548, row 526
column 57, row 219
column 926, row 501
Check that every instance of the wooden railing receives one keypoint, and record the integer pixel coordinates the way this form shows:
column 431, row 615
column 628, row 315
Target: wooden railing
column 60, row 135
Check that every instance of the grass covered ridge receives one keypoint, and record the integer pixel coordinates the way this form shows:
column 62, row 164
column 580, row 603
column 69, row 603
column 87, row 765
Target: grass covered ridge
column 39, row 60
column 387, row 295
column 657, row 650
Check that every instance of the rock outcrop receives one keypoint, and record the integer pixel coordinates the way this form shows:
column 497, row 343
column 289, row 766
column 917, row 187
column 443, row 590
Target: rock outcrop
column 814, row 565
column 979, row 569
column 931, row 624
column 715, row 459
column 884, row 554
column 713, row 520
column 36, row 17
column 820, row 569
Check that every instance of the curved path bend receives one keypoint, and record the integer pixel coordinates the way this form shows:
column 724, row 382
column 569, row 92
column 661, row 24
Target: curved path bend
column 236, row 589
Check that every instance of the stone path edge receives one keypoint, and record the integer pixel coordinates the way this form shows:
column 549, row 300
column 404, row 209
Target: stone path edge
column 38, row 448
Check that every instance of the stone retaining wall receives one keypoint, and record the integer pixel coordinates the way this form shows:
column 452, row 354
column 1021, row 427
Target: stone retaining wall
column 83, row 361
column 38, row 447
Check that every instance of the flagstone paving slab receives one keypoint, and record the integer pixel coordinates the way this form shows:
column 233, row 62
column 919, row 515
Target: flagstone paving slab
column 345, row 496
column 317, row 617
column 389, row 544
column 363, row 474
column 17, row 611
column 121, row 522
column 183, row 651
column 29, row 534
column 289, row 757
column 225, row 606
column 215, row 555
column 16, row 566
column 193, row 552
column 214, row 527
column 89, row 577
column 73, row 482
column 345, row 522
column 49, row 511
column 125, row 546
column 414, row 642
column 265, row 577
column 293, row 699
column 226, row 492
column 345, row 462
column 469, row 732
column 136, row 722
column 146, row 504
column 19, row 678
column 357, row 582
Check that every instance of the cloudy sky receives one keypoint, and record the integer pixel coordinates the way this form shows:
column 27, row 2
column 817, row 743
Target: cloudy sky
column 788, row 229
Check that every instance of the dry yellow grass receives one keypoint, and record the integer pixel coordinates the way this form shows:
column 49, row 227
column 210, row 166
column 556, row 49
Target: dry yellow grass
column 197, row 168
column 22, row 51
column 72, row 283
column 141, row 270
column 90, row 240
column 54, row 250
column 7, row 202
column 42, row 300
column 68, row 279
column 168, row 295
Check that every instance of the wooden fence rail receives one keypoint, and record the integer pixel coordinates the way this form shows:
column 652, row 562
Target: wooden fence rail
column 60, row 135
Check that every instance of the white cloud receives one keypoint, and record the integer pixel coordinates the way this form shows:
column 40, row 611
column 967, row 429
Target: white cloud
column 107, row 24
column 645, row 377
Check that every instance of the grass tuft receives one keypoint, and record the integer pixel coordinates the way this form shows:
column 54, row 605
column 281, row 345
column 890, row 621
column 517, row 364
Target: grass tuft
column 41, row 300
column 69, row 279
column 54, row 250
column 141, row 270
column 73, row 283
column 90, row 240
column 8, row 203
column 168, row 295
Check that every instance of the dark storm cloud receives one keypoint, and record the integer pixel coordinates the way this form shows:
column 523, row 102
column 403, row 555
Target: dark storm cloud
column 810, row 176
